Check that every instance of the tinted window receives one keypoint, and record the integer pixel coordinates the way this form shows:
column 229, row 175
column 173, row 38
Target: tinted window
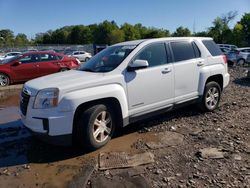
column 29, row 58
column 196, row 50
column 155, row 54
column 48, row 57
column 212, row 47
column 59, row 57
column 182, row 51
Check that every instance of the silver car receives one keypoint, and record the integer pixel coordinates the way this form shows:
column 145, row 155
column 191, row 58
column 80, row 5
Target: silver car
column 242, row 54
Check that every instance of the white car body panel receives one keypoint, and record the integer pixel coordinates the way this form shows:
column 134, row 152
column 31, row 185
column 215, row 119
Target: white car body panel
column 139, row 92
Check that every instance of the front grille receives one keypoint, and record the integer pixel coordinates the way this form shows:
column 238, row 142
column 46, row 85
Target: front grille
column 24, row 103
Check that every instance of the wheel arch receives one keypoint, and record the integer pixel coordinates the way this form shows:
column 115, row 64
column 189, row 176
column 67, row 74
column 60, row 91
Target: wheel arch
column 216, row 78
column 110, row 101
column 6, row 74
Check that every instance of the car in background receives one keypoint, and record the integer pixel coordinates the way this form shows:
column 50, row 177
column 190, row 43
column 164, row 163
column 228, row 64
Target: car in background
column 230, row 46
column 242, row 54
column 34, row 64
column 230, row 54
column 9, row 55
column 81, row 55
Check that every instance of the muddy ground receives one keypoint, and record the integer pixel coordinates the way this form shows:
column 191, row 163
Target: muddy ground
column 180, row 141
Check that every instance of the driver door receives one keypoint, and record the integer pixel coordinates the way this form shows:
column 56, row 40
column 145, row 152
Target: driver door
column 151, row 88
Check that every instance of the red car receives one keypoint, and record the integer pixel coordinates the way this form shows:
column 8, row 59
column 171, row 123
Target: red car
column 34, row 64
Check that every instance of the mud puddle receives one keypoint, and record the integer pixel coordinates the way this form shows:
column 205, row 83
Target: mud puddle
column 9, row 99
column 29, row 162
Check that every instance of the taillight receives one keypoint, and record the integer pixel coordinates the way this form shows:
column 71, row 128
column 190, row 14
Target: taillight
column 225, row 59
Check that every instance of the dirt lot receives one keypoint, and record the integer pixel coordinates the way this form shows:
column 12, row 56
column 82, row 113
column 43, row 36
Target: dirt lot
column 190, row 149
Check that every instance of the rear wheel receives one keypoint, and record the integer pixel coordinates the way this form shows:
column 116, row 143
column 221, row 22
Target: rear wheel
column 86, row 59
column 241, row 62
column 4, row 80
column 63, row 70
column 95, row 127
column 211, row 97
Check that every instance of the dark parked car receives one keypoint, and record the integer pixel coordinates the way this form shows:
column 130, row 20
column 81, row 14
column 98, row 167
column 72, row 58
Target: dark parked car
column 34, row 64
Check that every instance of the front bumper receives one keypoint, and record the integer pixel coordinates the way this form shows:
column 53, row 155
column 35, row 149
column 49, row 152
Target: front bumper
column 49, row 125
column 62, row 140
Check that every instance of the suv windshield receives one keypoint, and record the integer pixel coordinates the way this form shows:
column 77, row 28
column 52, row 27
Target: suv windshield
column 5, row 61
column 108, row 59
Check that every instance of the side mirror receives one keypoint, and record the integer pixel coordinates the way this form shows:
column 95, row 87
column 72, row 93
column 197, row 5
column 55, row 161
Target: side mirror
column 138, row 64
column 16, row 63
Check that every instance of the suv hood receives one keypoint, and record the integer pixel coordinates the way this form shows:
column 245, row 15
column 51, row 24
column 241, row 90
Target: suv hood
column 66, row 81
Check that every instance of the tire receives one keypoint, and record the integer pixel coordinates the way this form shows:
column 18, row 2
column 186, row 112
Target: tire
column 211, row 97
column 86, row 59
column 92, row 130
column 4, row 80
column 63, row 70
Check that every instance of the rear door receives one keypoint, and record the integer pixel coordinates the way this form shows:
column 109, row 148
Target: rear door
column 187, row 63
column 27, row 69
column 49, row 63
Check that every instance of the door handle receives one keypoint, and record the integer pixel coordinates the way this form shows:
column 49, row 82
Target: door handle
column 166, row 70
column 201, row 63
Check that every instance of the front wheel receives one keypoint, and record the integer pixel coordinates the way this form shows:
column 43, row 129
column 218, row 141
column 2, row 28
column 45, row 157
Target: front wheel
column 95, row 127
column 211, row 97
column 4, row 80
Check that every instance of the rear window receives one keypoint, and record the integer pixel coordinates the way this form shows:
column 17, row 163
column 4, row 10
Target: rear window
column 183, row 51
column 212, row 47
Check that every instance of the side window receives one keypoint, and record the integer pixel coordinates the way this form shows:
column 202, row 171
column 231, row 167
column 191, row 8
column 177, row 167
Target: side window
column 31, row 58
column 183, row 51
column 212, row 47
column 155, row 54
column 197, row 51
column 59, row 57
column 48, row 57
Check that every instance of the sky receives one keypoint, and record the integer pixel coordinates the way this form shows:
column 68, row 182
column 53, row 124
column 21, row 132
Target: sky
column 34, row 16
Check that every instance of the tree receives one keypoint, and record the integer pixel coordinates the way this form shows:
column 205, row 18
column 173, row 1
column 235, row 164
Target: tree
column 116, row 36
column 156, row 33
column 59, row 36
column 103, row 30
column 7, row 37
column 182, row 32
column 220, row 30
column 75, row 35
column 21, row 40
column 131, row 32
column 201, row 34
column 245, row 22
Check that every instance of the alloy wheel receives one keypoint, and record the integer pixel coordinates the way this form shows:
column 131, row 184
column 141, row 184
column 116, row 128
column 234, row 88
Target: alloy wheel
column 102, row 126
column 212, row 97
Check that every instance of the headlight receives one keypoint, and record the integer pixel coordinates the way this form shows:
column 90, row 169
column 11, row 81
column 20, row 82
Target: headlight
column 46, row 98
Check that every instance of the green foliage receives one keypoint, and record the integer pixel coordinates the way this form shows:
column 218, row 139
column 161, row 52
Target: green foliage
column 182, row 32
column 245, row 22
column 108, row 32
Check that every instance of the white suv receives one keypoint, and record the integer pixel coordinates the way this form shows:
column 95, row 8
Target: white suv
column 124, row 83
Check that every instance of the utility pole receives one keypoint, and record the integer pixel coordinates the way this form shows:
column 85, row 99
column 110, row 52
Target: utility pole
column 194, row 27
